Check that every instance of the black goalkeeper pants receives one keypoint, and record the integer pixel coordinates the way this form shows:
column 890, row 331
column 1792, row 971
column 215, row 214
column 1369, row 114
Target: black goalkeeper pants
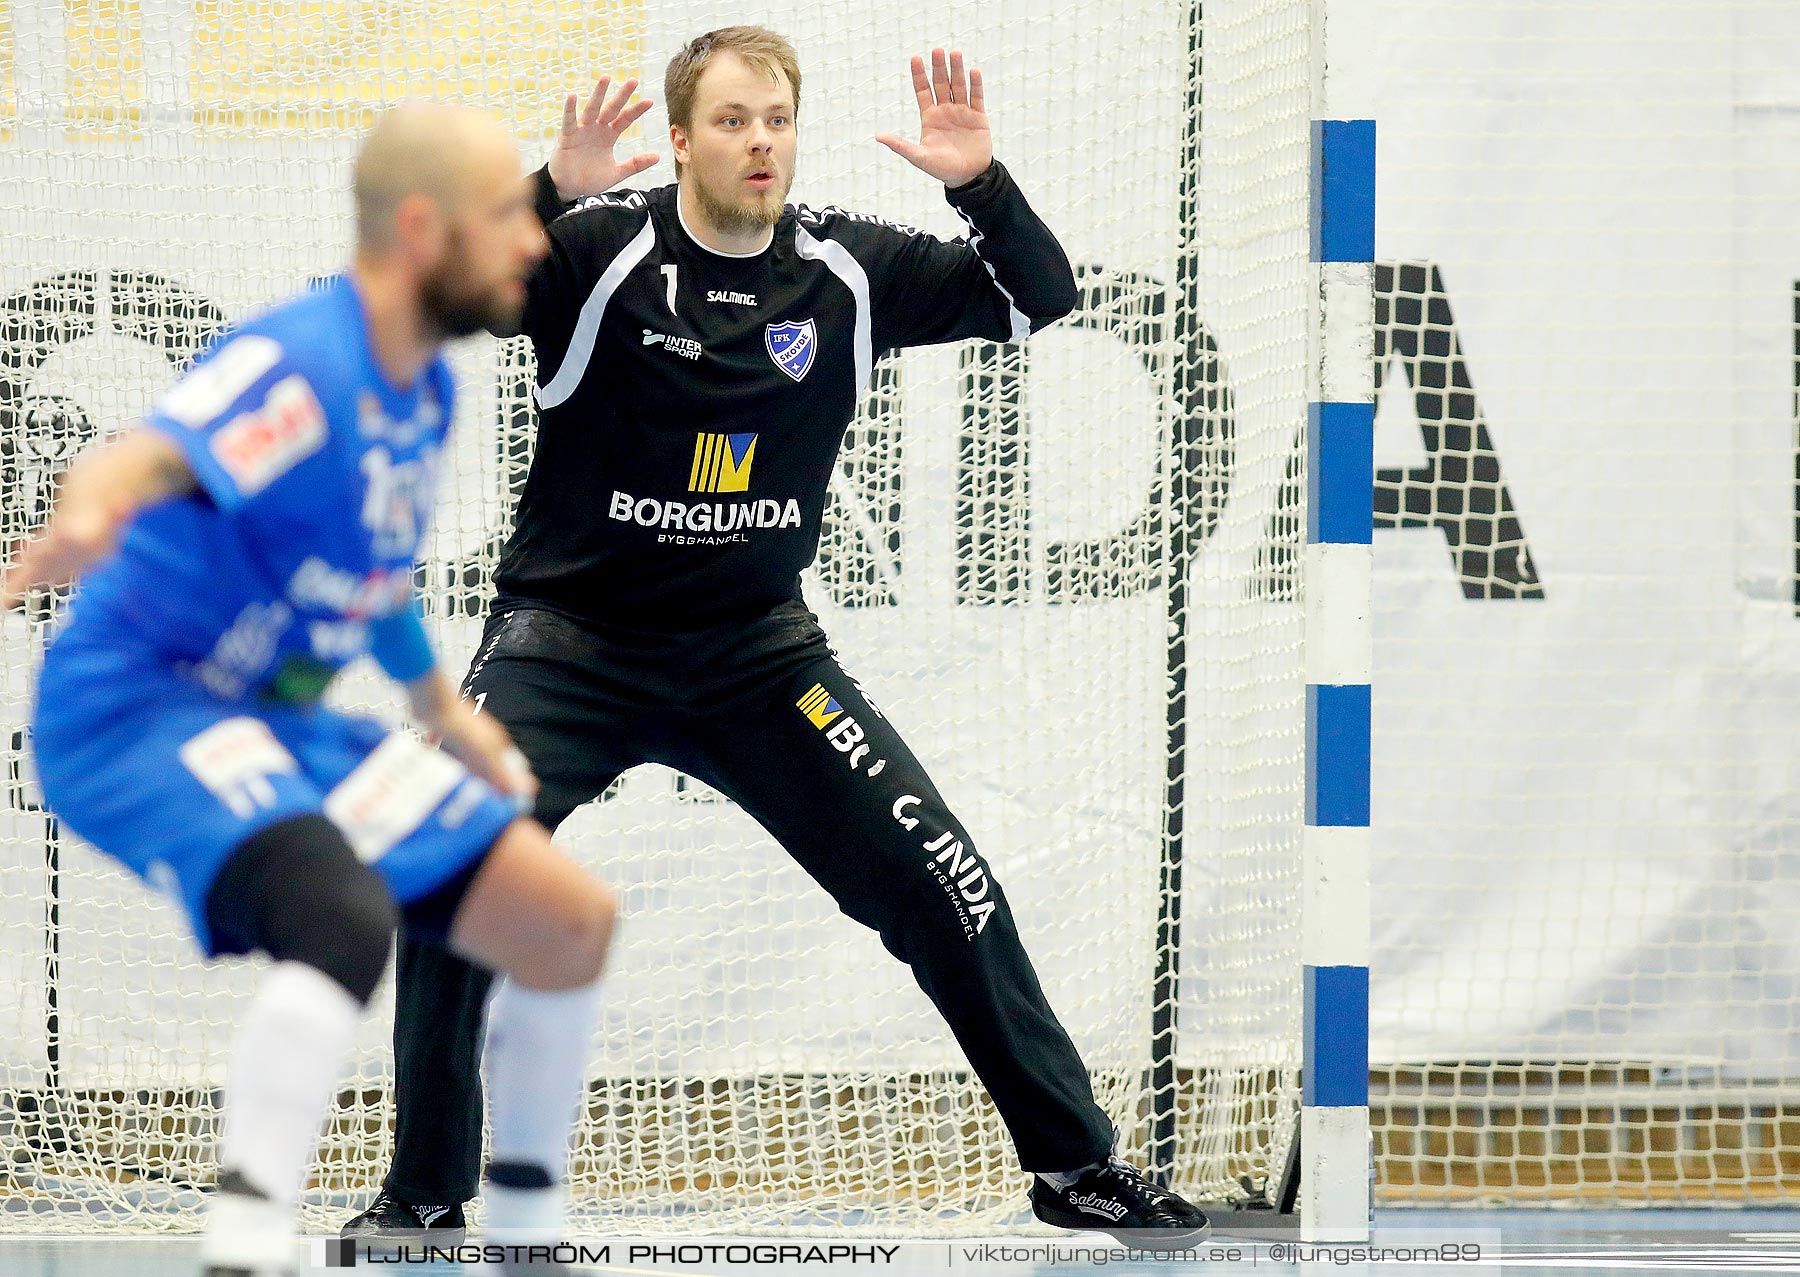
column 763, row 714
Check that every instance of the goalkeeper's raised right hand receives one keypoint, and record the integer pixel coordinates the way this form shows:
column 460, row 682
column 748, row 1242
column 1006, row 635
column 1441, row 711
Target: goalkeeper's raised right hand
column 583, row 163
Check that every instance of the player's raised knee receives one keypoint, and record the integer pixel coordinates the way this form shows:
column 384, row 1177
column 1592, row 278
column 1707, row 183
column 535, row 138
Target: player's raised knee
column 576, row 933
column 297, row 892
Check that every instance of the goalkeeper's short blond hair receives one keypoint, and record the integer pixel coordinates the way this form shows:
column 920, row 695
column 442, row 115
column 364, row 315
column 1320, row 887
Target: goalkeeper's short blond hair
column 762, row 48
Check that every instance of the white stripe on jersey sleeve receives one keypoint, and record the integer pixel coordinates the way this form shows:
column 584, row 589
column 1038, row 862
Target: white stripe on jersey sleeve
column 1021, row 326
column 593, row 310
column 839, row 262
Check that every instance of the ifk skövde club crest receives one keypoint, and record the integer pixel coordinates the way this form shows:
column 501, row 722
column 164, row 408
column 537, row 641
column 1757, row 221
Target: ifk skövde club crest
column 792, row 346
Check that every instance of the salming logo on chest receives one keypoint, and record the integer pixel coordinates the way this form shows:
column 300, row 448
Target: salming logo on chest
column 791, row 344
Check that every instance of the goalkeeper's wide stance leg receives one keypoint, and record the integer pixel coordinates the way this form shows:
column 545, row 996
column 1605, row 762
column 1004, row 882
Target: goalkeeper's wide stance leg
column 846, row 797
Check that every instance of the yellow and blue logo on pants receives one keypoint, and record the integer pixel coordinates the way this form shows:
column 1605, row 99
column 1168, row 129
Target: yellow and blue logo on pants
column 820, row 706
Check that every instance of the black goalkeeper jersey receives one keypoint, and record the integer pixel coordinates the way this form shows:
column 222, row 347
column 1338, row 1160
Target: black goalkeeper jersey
column 692, row 404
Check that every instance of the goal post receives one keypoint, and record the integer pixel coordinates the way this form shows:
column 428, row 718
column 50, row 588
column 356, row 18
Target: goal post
column 1071, row 571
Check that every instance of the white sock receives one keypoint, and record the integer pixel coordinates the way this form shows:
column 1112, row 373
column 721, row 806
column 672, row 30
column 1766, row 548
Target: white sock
column 248, row 1232
column 537, row 1052
column 286, row 1059
column 523, row 1216
column 1062, row 1179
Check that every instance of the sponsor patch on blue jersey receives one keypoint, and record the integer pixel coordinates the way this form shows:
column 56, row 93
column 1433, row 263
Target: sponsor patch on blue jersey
column 318, row 479
column 792, row 346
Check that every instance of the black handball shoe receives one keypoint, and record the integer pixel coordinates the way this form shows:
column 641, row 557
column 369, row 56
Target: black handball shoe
column 1115, row 1198
column 390, row 1223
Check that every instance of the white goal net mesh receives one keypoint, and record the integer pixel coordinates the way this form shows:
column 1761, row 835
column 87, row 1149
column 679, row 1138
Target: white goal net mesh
column 996, row 571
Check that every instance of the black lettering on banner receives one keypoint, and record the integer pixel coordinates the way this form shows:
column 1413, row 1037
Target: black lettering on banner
column 1198, row 444
column 1459, row 490
column 993, row 484
column 41, row 429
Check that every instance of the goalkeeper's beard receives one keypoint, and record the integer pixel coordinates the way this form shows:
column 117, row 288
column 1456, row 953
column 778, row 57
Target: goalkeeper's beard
column 743, row 216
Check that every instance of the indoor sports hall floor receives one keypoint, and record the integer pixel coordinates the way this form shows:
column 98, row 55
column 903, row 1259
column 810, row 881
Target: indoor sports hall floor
column 1530, row 1244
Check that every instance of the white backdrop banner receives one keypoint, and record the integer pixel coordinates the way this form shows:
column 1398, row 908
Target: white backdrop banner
column 1588, row 655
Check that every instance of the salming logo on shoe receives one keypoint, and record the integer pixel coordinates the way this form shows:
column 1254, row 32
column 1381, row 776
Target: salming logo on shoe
column 1094, row 1204
column 429, row 1215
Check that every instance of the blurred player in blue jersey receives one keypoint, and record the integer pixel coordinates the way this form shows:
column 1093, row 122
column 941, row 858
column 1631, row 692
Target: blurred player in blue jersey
column 250, row 538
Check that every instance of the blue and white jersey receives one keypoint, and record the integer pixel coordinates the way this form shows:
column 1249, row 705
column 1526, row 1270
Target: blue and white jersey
column 317, row 478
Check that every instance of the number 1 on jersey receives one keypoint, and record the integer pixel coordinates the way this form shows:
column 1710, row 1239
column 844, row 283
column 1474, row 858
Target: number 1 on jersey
column 669, row 273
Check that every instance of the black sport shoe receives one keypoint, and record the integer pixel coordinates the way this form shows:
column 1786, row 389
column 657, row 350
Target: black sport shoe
column 390, row 1222
column 1115, row 1198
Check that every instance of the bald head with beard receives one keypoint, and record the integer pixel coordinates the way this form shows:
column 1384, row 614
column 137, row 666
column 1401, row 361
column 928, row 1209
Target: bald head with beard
column 439, row 187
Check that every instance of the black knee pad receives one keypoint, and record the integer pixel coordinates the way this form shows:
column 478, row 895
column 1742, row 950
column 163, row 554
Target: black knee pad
column 298, row 893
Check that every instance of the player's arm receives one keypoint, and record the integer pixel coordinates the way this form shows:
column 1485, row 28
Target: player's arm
column 399, row 644
column 401, row 647
column 1010, row 277
column 243, row 428
column 97, row 499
